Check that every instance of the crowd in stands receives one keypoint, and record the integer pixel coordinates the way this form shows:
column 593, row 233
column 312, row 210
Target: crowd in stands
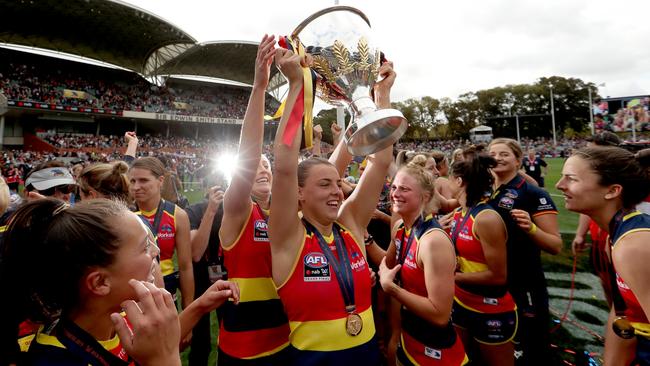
column 635, row 114
column 127, row 92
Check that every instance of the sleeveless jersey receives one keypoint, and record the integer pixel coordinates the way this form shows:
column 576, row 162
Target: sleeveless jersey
column 422, row 342
column 630, row 223
column 314, row 304
column 469, row 251
column 47, row 349
column 166, row 237
column 257, row 326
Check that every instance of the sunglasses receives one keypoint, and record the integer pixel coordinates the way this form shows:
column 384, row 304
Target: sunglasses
column 64, row 189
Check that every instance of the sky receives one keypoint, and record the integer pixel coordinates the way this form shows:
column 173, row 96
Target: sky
column 446, row 48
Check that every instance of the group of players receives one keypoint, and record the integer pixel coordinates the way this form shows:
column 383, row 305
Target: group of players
column 461, row 278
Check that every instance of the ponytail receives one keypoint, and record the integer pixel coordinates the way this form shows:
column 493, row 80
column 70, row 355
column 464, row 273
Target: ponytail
column 476, row 175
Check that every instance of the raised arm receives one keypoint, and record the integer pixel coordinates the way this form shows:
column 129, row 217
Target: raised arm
column 201, row 236
column 132, row 144
column 237, row 200
column 284, row 225
column 359, row 207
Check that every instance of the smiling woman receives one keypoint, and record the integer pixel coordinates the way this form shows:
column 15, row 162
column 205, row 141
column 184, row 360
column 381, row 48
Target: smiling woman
column 328, row 305
column 606, row 183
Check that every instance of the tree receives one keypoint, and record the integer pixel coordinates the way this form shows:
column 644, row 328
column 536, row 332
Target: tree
column 463, row 114
column 423, row 115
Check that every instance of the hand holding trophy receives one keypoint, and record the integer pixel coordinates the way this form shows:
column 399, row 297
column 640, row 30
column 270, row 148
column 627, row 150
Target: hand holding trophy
column 345, row 67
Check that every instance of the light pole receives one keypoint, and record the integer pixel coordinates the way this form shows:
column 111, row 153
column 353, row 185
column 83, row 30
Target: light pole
column 591, row 109
column 553, row 116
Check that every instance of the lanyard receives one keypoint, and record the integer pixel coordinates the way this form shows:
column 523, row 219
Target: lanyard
column 458, row 228
column 342, row 268
column 617, row 299
column 85, row 346
column 405, row 247
column 156, row 220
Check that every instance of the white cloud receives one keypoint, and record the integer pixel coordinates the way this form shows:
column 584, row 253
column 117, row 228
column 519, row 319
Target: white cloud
column 444, row 48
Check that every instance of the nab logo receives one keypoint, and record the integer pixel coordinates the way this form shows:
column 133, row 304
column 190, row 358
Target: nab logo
column 315, row 260
column 261, row 225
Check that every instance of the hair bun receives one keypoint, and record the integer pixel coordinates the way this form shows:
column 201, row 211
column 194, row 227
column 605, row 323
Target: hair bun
column 643, row 157
column 120, row 167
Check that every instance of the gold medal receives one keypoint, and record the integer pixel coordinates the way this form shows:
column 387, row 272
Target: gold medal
column 623, row 328
column 353, row 324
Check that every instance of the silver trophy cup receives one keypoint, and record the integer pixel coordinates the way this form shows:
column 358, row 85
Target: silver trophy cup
column 347, row 67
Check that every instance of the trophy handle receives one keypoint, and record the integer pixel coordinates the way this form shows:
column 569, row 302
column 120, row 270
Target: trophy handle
column 305, row 22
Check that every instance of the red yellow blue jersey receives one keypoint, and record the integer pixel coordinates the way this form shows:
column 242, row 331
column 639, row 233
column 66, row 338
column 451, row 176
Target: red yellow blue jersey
column 422, row 342
column 632, row 222
column 316, row 310
column 46, row 349
column 166, row 236
column 257, row 326
column 471, row 259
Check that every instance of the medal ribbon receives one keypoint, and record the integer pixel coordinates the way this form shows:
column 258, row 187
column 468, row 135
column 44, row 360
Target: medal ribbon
column 342, row 268
column 302, row 110
column 85, row 346
column 404, row 249
column 458, row 228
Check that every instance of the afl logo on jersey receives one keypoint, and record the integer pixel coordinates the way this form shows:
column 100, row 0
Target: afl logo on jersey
column 316, row 267
column 316, row 260
column 261, row 231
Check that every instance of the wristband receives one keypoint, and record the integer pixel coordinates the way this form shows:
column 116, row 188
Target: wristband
column 533, row 229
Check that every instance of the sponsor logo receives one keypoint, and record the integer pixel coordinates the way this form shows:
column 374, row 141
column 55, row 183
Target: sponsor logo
column 490, row 301
column 57, row 173
column 358, row 265
column 511, row 194
column 261, row 225
column 543, row 201
column 315, row 260
column 433, row 353
column 260, row 232
column 507, row 203
column 316, row 268
column 493, row 323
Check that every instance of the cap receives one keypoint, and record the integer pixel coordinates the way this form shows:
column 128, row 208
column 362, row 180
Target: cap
column 49, row 177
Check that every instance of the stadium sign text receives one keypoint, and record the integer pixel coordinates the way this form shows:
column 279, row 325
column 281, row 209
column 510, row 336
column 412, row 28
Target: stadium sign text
column 182, row 118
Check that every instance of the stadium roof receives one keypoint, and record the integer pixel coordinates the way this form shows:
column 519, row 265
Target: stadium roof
column 106, row 30
column 126, row 36
column 233, row 60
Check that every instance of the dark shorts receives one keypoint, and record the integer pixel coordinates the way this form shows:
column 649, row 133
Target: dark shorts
column 491, row 329
column 642, row 351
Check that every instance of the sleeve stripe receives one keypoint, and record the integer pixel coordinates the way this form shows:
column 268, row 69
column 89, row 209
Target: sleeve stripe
column 546, row 212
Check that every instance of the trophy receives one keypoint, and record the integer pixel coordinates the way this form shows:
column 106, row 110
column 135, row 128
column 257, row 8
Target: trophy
column 346, row 65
